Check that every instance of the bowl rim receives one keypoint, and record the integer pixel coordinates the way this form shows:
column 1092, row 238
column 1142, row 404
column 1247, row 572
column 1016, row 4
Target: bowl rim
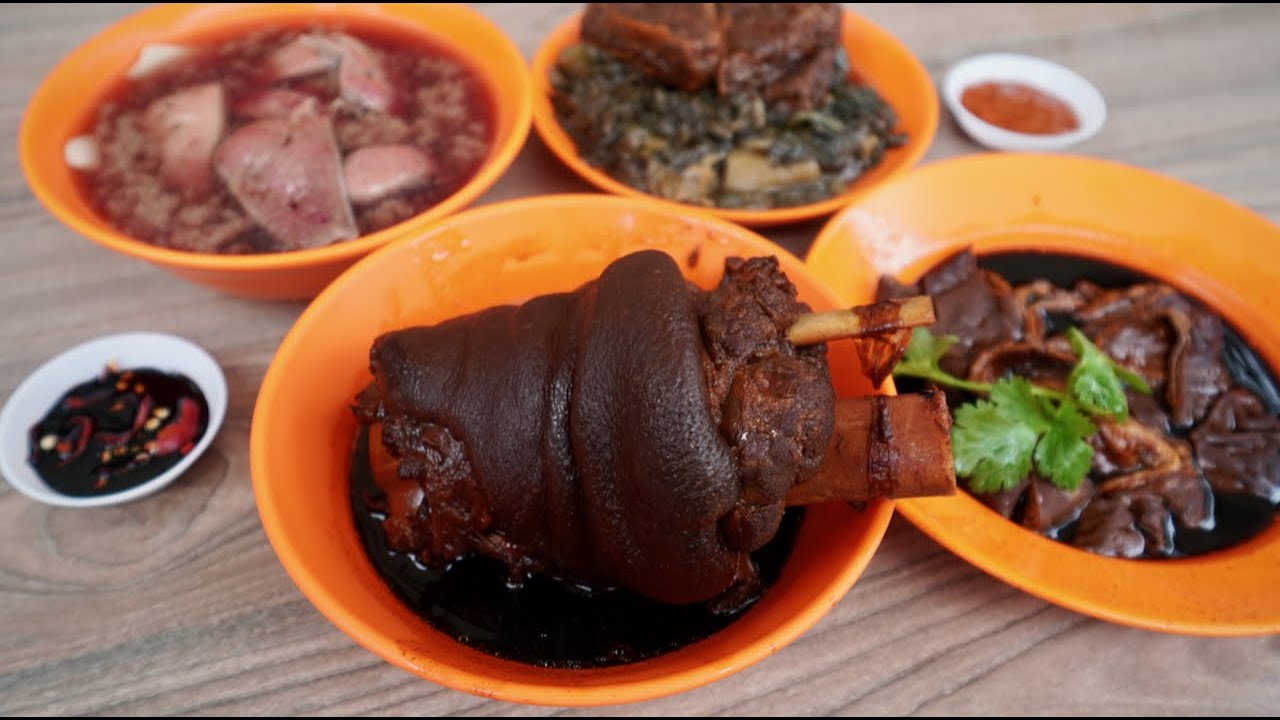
column 50, row 380
column 1182, row 598
column 563, row 147
column 501, row 156
column 567, row 687
column 1041, row 73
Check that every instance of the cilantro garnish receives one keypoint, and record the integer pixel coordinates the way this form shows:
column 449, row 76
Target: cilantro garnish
column 996, row 441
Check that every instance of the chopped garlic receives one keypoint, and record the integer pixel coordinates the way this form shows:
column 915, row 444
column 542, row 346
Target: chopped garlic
column 155, row 56
column 82, row 153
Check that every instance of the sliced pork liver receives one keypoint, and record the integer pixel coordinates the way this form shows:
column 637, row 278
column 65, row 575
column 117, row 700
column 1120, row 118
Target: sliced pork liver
column 188, row 125
column 361, row 78
column 287, row 174
column 380, row 171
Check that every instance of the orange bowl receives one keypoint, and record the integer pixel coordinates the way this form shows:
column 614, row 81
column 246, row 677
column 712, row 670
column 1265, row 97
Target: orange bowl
column 65, row 103
column 1202, row 244
column 303, row 428
column 877, row 59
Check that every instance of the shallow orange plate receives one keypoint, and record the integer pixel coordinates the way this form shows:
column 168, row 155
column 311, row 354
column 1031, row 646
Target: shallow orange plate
column 1200, row 243
column 507, row 253
column 878, row 59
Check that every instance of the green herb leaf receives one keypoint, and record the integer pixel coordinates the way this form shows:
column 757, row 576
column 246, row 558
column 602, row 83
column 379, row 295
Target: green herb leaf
column 1093, row 381
column 1130, row 378
column 924, row 351
column 1063, row 455
column 921, row 358
column 1015, row 399
column 996, row 441
column 990, row 449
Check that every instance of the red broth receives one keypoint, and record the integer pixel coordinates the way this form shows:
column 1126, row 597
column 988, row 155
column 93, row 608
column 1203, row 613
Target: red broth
column 439, row 105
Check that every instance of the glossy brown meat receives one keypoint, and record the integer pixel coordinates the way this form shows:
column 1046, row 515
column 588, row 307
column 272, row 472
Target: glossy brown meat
column 1175, row 344
column 806, row 86
column 771, row 400
column 974, row 305
column 676, row 43
column 782, row 51
column 1145, row 484
column 1238, row 446
column 584, row 433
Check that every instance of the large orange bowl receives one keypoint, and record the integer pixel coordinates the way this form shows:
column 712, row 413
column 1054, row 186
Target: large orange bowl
column 1202, row 244
column 65, row 103
column 506, row 253
column 876, row 58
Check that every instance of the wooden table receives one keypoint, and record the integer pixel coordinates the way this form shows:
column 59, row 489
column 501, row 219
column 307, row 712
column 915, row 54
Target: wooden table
column 177, row 605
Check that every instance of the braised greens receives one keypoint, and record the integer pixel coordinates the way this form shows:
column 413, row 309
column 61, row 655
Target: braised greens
column 722, row 151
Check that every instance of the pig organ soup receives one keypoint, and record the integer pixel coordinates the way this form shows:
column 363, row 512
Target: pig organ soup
column 286, row 139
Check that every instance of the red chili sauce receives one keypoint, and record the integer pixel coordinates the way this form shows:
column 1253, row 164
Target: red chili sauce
column 117, row 431
column 1020, row 108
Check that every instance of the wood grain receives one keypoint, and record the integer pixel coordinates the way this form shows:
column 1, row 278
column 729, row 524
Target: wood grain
column 176, row 605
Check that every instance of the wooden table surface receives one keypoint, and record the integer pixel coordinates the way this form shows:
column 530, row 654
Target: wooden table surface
column 176, row 604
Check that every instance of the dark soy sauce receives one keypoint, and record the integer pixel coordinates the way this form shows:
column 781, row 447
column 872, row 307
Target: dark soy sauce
column 117, row 431
column 544, row 621
column 1236, row 517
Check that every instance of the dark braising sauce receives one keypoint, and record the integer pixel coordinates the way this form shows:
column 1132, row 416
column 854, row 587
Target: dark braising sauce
column 117, row 431
column 1237, row 517
column 543, row 621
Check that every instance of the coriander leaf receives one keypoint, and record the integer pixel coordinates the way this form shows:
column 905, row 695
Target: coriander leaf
column 1093, row 381
column 1131, row 378
column 924, row 351
column 1015, row 399
column 920, row 360
column 989, row 448
column 925, row 344
column 1063, row 455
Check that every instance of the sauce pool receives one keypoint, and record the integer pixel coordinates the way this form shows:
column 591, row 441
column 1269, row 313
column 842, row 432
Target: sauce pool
column 117, row 431
column 1019, row 108
column 543, row 621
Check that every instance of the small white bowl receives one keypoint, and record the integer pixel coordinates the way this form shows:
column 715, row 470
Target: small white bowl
column 38, row 393
column 1041, row 74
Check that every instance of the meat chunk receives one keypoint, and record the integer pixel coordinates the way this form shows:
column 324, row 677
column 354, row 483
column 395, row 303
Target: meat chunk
column 1042, row 364
column 361, row 78
column 187, row 126
column 974, row 305
column 275, row 103
column 1160, row 488
column 1238, row 446
column 306, row 55
column 668, row 425
column 676, row 43
column 806, row 86
column 1048, row 507
column 380, row 171
column 770, row 399
column 1125, row 526
column 287, row 174
column 1184, row 358
column 781, row 49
